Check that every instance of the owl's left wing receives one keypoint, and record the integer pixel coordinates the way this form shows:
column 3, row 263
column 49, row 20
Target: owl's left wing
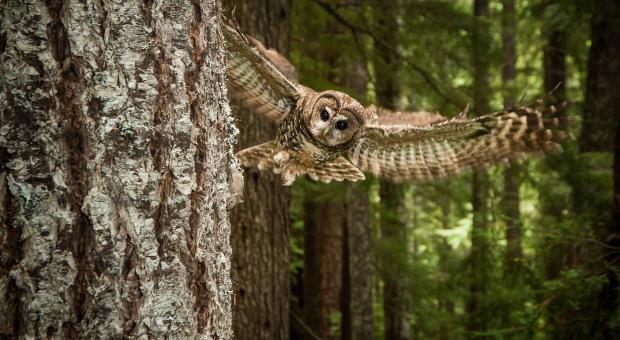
column 259, row 79
column 401, row 150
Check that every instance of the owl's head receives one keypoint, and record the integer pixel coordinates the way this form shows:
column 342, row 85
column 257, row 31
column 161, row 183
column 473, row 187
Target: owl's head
column 334, row 118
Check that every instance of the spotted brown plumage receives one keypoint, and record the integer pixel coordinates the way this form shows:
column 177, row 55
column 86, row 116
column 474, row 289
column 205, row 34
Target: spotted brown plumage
column 447, row 147
column 329, row 136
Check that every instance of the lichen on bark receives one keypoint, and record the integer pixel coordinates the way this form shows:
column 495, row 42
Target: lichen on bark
column 117, row 165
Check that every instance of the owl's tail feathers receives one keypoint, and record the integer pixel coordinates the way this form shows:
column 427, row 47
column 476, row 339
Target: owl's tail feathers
column 259, row 156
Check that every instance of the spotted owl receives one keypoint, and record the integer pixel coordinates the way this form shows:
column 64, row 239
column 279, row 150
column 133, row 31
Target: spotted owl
column 330, row 136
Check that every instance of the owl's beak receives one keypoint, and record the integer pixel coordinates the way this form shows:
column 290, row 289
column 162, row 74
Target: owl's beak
column 327, row 130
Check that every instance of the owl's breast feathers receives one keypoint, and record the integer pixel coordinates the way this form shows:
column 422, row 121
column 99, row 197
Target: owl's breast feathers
column 294, row 136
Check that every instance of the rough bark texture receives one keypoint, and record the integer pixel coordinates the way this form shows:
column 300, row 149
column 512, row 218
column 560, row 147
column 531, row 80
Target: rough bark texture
column 261, row 224
column 602, row 106
column 116, row 168
column 479, row 261
column 512, row 215
column 323, row 244
column 395, row 302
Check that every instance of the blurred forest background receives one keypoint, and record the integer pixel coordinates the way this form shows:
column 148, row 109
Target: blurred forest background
column 528, row 251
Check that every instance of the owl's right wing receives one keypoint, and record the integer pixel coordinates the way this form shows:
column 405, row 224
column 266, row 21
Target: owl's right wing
column 259, row 79
column 403, row 150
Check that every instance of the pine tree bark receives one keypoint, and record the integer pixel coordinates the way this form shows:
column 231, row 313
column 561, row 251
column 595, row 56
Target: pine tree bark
column 116, row 171
column 261, row 224
column 479, row 257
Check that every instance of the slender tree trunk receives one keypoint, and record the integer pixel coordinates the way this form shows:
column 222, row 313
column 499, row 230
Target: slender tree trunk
column 116, row 171
column 395, row 289
column 554, row 72
column 558, row 253
column 480, row 257
column 357, row 279
column 599, row 116
column 323, row 246
column 261, row 224
column 445, row 253
column 395, row 295
column 513, row 257
column 514, row 253
column 602, row 109
column 358, row 269
column 554, row 64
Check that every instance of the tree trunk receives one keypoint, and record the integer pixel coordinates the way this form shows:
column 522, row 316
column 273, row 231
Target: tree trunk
column 358, row 268
column 395, row 301
column 602, row 110
column 556, row 257
column 116, row 171
column 479, row 257
column 394, row 238
column 358, row 260
column 513, row 257
column 601, row 106
column 445, row 254
column 512, row 216
column 261, row 224
column 323, row 245
column 554, row 65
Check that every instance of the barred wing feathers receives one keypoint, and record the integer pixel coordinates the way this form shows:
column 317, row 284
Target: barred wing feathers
column 259, row 79
column 402, row 152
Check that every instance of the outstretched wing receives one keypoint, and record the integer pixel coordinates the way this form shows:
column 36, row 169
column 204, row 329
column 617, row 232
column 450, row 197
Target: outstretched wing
column 337, row 170
column 259, row 79
column 401, row 150
column 391, row 120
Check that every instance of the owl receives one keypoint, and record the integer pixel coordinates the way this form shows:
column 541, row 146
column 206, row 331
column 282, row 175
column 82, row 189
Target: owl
column 330, row 136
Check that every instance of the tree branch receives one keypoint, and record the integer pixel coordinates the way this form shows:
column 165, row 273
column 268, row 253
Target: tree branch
column 355, row 29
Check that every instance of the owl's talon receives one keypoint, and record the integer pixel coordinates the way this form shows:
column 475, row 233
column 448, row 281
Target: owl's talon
column 281, row 158
column 288, row 175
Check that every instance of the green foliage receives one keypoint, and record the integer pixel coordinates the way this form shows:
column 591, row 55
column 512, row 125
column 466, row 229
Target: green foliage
column 565, row 198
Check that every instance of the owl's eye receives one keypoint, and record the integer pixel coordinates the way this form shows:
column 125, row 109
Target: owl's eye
column 341, row 125
column 324, row 114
